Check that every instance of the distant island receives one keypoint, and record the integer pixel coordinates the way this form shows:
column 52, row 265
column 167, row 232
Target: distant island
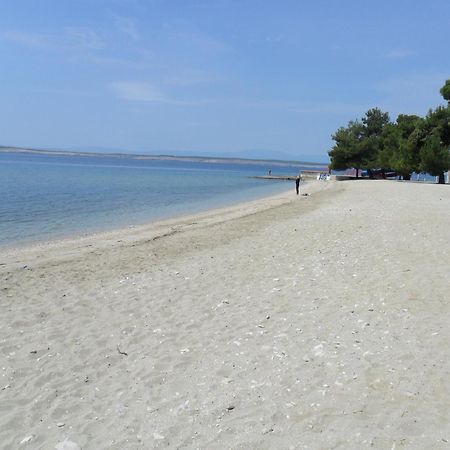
column 205, row 159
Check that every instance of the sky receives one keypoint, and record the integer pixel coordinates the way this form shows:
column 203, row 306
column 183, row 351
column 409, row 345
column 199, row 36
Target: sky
column 218, row 77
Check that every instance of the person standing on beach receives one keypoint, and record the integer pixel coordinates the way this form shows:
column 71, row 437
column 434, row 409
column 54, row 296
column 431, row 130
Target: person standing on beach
column 297, row 184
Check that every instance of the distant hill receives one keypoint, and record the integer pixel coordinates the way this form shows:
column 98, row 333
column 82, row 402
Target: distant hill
column 266, row 155
column 211, row 158
column 254, row 154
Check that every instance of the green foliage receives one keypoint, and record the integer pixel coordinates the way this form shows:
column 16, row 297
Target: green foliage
column 435, row 157
column 346, row 152
column 374, row 121
column 407, row 124
column 358, row 145
column 445, row 91
column 438, row 122
column 411, row 144
column 400, row 150
column 434, row 141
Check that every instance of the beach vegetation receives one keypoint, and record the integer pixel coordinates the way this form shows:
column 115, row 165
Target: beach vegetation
column 445, row 91
column 358, row 144
column 434, row 157
column 410, row 144
column 435, row 149
column 347, row 150
column 400, row 149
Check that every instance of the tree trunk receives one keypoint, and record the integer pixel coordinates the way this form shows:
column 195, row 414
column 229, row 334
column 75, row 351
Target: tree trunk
column 357, row 173
column 441, row 178
column 407, row 176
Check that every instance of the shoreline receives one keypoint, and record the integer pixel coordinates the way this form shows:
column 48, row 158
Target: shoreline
column 152, row 207
column 319, row 320
column 145, row 223
column 156, row 228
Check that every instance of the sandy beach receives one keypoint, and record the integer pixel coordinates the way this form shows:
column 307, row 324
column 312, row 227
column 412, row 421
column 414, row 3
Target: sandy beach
column 309, row 322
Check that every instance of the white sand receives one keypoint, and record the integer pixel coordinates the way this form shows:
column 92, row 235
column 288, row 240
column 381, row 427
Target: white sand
column 295, row 322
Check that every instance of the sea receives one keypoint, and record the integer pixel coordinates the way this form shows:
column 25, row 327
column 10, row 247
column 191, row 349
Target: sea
column 45, row 197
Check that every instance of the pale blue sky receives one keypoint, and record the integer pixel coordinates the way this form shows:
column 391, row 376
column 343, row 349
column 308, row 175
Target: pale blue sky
column 213, row 76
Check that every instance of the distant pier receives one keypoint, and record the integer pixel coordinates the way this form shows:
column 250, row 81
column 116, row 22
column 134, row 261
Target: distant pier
column 304, row 174
column 275, row 177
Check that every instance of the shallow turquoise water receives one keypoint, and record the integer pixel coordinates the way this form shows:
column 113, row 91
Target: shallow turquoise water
column 45, row 197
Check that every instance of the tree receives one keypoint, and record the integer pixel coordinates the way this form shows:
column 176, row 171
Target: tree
column 434, row 142
column 438, row 121
column 407, row 123
column 445, row 91
column 412, row 144
column 358, row 145
column 435, row 158
column 374, row 122
column 346, row 153
column 389, row 145
column 399, row 150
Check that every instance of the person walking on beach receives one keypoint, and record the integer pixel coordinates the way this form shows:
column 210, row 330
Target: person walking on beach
column 297, row 184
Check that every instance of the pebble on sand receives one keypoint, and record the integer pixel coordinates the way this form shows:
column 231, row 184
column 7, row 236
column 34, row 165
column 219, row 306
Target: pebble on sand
column 27, row 439
column 67, row 445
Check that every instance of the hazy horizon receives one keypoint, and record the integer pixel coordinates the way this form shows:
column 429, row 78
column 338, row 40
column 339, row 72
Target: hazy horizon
column 180, row 154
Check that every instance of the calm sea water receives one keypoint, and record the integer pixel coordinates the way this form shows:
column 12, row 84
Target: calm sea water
column 44, row 197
